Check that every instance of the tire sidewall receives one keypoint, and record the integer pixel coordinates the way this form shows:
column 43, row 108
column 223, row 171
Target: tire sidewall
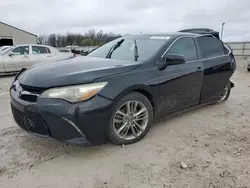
column 135, row 96
column 228, row 93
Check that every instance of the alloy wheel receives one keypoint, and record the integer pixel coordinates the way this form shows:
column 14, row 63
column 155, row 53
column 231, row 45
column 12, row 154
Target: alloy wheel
column 224, row 93
column 130, row 120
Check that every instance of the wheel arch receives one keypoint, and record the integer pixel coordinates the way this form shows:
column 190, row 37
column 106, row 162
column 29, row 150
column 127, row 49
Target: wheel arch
column 142, row 89
column 231, row 84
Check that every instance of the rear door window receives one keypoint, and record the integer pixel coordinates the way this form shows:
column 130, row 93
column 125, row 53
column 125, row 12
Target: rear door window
column 211, row 47
column 39, row 50
column 186, row 47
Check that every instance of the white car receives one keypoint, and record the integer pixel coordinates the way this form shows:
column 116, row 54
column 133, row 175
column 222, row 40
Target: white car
column 14, row 58
column 4, row 47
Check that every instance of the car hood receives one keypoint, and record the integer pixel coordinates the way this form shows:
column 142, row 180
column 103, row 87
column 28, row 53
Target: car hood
column 73, row 71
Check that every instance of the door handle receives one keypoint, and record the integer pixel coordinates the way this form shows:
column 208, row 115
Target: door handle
column 25, row 57
column 49, row 56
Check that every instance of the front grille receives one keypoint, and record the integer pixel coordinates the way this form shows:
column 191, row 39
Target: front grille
column 29, row 98
column 36, row 123
column 33, row 121
column 28, row 93
column 35, row 90
column 18, row 117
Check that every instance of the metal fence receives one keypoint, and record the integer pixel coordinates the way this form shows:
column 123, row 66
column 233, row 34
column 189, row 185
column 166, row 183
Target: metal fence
column 240, row 49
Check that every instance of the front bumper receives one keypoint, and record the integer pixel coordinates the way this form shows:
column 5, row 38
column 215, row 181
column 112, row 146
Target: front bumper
column 82, row 123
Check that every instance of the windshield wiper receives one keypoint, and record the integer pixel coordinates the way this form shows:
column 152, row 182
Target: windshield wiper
column 114, row 48
column 136, row 54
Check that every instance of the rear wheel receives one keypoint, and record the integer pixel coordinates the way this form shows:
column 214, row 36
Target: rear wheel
column 225, row 94
column 131, row 119
column 248, row 69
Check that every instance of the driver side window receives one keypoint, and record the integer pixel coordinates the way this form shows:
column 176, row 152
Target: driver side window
column 22, row 50
column 185, row 47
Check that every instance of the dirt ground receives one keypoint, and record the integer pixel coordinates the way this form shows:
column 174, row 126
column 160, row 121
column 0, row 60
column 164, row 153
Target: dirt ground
column 213, row 142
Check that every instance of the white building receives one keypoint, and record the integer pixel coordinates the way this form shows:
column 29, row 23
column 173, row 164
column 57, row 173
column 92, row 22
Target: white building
column 10, row 35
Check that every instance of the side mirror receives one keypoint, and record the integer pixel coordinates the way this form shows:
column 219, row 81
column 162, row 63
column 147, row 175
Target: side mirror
column 11, row 54
column 175, row 59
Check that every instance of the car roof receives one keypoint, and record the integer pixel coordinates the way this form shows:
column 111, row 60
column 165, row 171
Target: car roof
column 202, row 31
column 31, row 45
column 172, row 34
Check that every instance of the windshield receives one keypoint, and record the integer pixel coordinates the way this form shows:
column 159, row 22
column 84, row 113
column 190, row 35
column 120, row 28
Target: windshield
column 5, row 51
column 4, row 47
column 129, row 49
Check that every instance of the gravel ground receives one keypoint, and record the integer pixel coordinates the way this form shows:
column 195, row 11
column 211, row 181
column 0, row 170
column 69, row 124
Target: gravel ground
column 208, row 147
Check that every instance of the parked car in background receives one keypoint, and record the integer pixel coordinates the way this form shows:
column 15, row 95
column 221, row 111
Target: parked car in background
column 116, row 91
column 65, row 50
column 83, row 50
column 79, row 51
column 14, row 58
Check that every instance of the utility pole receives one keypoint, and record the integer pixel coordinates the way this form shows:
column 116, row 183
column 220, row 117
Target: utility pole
column 222, row 30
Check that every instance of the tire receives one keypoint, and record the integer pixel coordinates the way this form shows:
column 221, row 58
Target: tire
column 248, row 69
column 142, row 103
column 226, row 95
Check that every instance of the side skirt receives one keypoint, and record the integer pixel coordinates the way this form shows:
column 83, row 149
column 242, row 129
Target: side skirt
column 181, row 112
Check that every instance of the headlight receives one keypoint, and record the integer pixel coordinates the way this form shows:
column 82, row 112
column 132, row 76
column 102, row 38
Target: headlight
column 74, row 93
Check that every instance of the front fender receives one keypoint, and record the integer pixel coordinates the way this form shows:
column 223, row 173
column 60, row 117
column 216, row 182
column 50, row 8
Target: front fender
column 119, row 85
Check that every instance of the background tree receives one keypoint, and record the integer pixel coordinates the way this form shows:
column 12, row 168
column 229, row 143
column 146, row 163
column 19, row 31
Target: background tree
column 90, row 38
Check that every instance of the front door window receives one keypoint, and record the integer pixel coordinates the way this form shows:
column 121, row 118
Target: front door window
column 22, row 50
column 185, row 47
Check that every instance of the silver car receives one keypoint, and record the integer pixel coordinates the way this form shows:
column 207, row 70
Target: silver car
column 14, row 58
column 4, row 47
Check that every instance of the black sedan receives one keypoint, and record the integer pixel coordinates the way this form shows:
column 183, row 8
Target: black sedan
column 116, row 91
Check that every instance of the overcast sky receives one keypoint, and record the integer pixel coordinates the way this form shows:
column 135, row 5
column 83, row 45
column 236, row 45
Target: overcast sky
column 128, row 16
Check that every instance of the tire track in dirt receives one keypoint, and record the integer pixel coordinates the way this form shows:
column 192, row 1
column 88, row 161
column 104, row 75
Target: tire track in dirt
column 19, row 150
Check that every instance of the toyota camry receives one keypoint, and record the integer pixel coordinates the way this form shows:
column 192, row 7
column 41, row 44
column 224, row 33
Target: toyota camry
column 115, row 92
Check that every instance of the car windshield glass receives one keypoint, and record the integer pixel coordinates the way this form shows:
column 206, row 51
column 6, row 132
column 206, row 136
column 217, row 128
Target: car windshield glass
column 129, row 49
column 3, row 48
column 5, row 51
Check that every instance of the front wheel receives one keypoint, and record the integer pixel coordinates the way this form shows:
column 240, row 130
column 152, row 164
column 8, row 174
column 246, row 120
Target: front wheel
column 248, row 69
column 225, row 94
column 131, row 119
